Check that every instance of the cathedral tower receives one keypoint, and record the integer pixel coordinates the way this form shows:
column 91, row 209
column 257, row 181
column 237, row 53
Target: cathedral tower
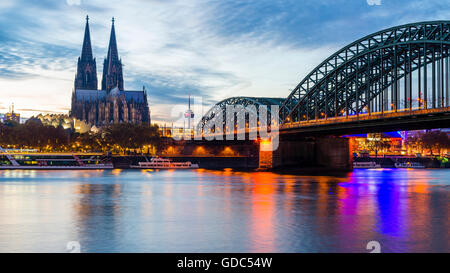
column 86, row 77
column 112, row 66
column 112, row 104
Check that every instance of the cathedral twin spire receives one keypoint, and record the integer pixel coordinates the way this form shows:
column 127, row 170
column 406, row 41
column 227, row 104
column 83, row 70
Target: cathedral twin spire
column 86, row 52
column 86, row 77
column 112, row 66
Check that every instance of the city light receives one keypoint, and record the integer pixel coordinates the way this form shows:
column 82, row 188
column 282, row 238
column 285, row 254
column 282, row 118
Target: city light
column 239, row 128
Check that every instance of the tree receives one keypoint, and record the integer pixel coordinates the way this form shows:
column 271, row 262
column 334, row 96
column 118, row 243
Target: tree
column 32, row 134
column 430, row 140
column 375, row 143
column 88, row 141
column 131, row 136
column 435, row 140
column 415, row 142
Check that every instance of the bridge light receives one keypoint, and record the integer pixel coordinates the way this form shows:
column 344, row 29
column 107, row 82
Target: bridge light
column 200, row 150
column 265, row 144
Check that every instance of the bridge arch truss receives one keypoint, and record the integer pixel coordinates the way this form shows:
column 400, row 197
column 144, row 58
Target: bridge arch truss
column 250, row 105
column 402, row 68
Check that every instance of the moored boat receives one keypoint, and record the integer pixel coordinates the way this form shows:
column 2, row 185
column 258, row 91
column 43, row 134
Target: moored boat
column 366, row 165
column 409, row 165
column 164, row 163
column 49, row 161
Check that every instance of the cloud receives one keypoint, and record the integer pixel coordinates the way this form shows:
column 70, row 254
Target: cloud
column 40, row 110
column 73, row 2
column 373, row 2
column 214, row 49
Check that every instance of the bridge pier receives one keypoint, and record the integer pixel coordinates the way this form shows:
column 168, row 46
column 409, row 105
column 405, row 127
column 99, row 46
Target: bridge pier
column 331, row 153
column 293, row 151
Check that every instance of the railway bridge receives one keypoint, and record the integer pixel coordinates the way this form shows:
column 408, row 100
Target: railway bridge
column 394, row 79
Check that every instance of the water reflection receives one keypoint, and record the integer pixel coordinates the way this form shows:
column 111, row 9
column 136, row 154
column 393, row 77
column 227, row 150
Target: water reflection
column 95, row 203
column 224, row 211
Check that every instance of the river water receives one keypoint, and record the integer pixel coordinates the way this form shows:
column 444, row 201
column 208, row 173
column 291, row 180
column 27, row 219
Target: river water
column 224, row 211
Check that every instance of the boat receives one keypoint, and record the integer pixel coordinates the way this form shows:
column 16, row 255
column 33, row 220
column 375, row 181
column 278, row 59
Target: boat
column 409, row 165
column 53, row 161
column 366, row 165
column 164, row 163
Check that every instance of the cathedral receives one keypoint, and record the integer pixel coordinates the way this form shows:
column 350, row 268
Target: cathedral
column 111, row 104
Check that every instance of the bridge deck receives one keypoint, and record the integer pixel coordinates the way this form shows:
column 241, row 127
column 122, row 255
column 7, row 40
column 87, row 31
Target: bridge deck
column 374, row 122
column 413, row 119
column 364, row 117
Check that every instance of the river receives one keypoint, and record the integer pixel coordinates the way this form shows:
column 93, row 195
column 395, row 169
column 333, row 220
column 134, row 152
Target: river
column 224, row 211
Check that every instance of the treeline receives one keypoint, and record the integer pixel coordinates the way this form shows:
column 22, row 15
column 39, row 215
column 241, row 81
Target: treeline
column 428, row 141
column 120, row 138
column 124, row 137
column 32, row 134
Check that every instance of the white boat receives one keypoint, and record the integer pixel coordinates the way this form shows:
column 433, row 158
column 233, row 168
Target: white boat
column 409, row 165
column 366, row 165
column 164, row 163
column 43, row 161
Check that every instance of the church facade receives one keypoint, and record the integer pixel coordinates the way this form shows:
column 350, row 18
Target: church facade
column 112, row 104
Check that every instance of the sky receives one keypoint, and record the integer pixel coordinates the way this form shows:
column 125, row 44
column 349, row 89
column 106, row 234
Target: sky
column 213, row 49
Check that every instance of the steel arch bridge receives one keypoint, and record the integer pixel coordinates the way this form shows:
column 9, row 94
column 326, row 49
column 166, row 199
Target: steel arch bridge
column 221, row 108
column 403, row 68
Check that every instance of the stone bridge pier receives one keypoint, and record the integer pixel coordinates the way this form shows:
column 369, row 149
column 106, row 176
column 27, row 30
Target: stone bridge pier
column 330, row 153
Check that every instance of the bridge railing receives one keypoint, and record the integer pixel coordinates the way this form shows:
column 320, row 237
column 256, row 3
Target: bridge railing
column 364, row 117
column 334, row 120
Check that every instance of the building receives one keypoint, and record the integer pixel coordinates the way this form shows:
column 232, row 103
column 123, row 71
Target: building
column 111, row 104
column 387, row 143
column 65, row 122
column 11, row 115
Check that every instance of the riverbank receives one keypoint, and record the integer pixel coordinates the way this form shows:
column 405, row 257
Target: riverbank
column 389, row 162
